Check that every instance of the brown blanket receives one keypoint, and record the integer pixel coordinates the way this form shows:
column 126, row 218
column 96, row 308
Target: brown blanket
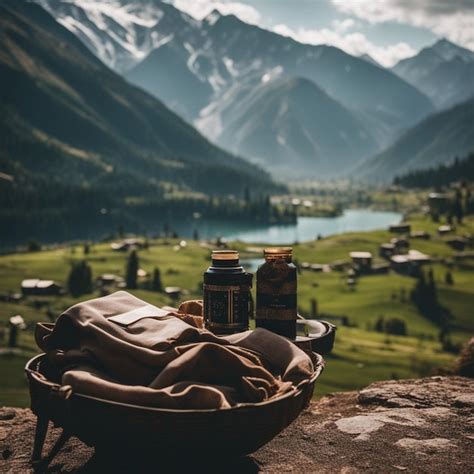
column 120, row 348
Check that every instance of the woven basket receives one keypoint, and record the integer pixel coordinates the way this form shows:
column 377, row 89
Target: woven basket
column 101, row 423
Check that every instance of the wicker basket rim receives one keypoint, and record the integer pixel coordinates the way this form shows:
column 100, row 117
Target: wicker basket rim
column 319, row 366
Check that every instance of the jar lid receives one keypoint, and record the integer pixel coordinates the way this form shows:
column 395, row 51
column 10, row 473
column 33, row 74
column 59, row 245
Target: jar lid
column 225, row 255
column 278, row 251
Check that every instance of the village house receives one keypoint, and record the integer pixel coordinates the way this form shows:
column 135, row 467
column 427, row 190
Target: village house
column 438, row 203
column 400, row 243
column 386, row 250
column 420, row 234
column 401, row 264
column 444, row 229
column 127, row 244
column 37, row 287
column 418, row 258
column 361, row 262
column 174, row 292
column 410, row 263
column 110, row 281
column 457, row 243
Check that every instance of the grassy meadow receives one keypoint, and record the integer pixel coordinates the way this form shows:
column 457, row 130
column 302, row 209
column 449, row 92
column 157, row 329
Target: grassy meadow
column 360, row 356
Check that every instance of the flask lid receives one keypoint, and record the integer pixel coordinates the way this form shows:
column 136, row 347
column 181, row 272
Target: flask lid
column 225, row 258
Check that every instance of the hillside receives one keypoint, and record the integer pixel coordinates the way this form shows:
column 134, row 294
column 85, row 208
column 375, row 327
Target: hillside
column 67, row 120
column 443, row 71
column 290, row 125
column 443, row 175
column 361, row 355
column 436, row 140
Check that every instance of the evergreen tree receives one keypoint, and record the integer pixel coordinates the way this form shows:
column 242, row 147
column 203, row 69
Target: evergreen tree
column 79, row 281
column 156, row 284
column 131, row 270
column 380, row 324
column 247, row 196
column 458, row 207
column 396, row 326
column 425, row 298
column 448, row 278
column 33, row 246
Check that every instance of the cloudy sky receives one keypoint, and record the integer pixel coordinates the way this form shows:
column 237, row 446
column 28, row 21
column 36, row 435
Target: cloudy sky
column 388, row 30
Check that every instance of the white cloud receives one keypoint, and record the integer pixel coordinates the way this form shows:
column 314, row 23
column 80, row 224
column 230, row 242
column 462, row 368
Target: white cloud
column 354, row 43
column 341, row 26
column 453, row 19
column 201, row 8
column 341, row 34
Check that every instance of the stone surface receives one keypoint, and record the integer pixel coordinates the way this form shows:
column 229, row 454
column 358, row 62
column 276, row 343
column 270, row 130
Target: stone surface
column 424, row 425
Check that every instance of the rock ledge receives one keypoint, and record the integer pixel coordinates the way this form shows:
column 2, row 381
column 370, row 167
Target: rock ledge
column 424, row 425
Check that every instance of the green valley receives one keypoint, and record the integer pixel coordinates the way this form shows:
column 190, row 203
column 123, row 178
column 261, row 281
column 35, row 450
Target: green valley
column 361, row 355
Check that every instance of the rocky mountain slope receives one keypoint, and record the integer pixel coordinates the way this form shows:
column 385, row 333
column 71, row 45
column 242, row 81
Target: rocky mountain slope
column 437, row 139
column 291, row 125
column 444, row 72
column 55, row 95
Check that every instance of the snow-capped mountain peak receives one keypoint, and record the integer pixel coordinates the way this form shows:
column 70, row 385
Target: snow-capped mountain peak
column 120, row 33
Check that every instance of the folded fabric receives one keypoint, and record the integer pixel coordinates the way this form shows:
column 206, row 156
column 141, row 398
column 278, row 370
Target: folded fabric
column 123, row 349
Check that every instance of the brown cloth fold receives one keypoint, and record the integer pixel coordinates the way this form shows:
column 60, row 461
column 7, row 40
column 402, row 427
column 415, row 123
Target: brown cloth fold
column 120, row 348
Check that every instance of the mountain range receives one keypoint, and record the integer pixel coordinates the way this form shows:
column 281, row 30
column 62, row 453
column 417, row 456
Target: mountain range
column 443, row 71
column 438, row 139
column 57, row 94
column 198, row 67
column 289, row 125
column 291, row 108
column 83, row 152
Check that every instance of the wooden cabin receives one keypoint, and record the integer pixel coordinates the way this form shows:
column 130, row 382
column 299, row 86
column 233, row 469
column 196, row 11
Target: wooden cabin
column 458, row 243
column 410, row 263
column 420, row 234
column 387, row 250
column 418, row 258
column 361, row 262
column 400, row 243
column 110, row 281
column 37, row 287
column 174, row 292
column 444, row 229
column 438, row 203
column 127, row 244
column 401, row 264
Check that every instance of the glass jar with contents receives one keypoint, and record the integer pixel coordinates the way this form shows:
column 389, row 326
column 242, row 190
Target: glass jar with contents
column 276, row 292
column 226, row 294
